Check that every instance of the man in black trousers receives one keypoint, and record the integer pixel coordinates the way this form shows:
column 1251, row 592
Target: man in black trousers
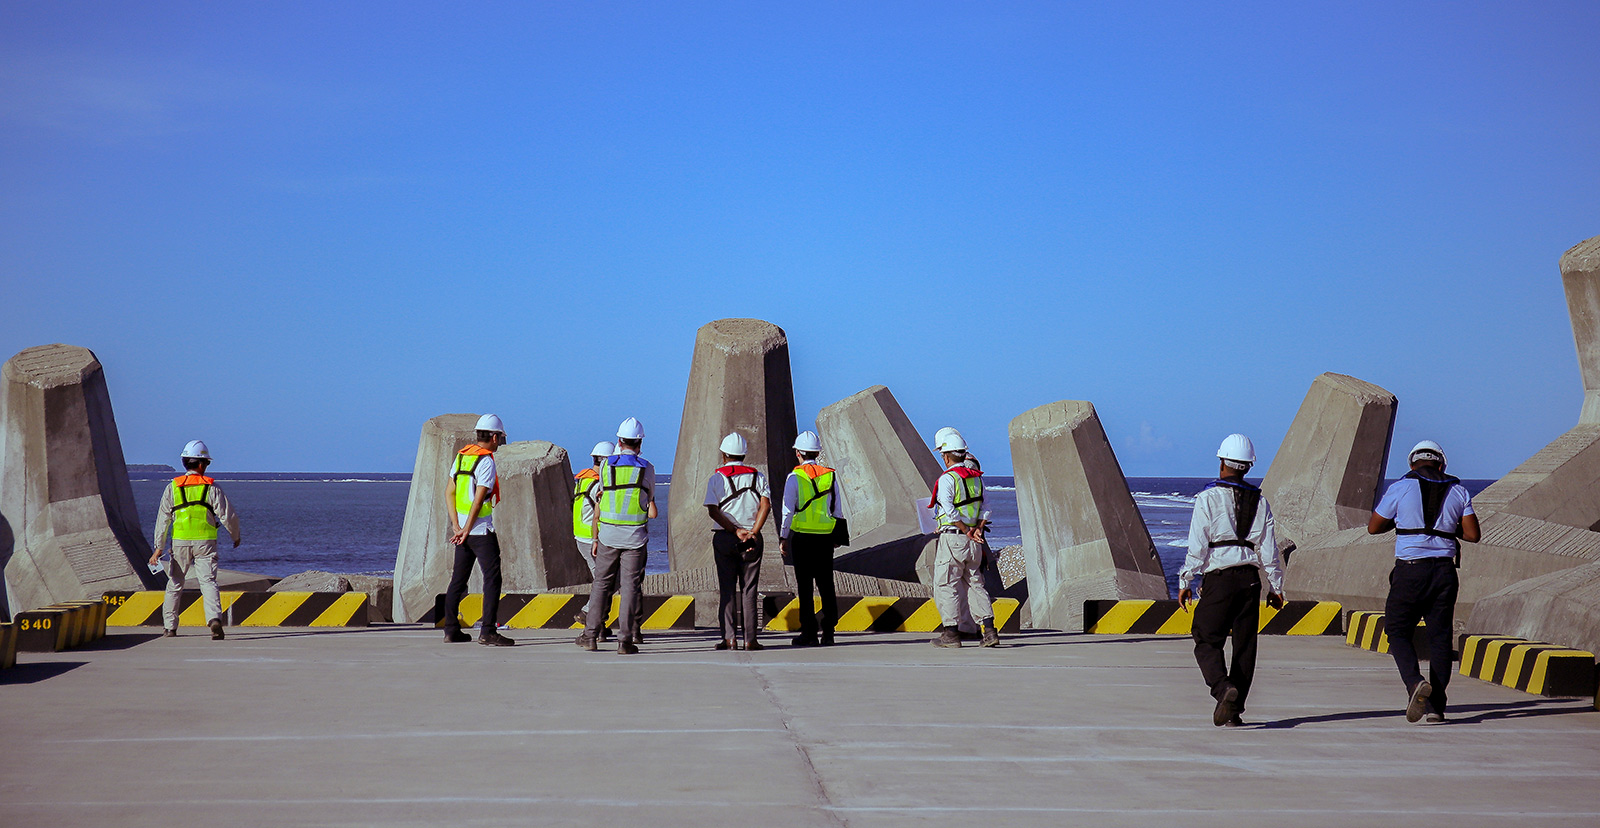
column 1231, row 543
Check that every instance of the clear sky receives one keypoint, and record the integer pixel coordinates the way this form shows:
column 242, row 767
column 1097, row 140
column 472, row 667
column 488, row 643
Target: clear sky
column 299, row 230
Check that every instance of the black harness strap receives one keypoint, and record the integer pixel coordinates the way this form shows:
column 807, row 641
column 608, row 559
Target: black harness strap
column 1246, row 502
column 185, row 503
column 1434, row 491
column 612, row 483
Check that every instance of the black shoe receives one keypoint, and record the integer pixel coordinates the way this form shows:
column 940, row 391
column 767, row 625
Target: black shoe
column 605, row 634
column 169, row 633
column 637, row 638
column 493, row 638
column 805, row 641
column 948, row 637
column 586, row 642
column 827, row 639
column 991, row 636
column 456, row 637
column 753, row 646
column 1227, row 706
column 627, row 648
column 724, row 644
column 1419, row 701
column 1234, row 722
column 1433, row 719
column 216, row 629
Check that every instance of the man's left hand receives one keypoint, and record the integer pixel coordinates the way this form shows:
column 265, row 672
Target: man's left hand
column 1185, row 595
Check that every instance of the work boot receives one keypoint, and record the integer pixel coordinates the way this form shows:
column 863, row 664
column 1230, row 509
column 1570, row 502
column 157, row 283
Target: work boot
column 605, row 634
column 827, row 638
column 637, row 638
column 948, row 637
column 991, row 636
column 456, row 637
column 493, row 638
column 586, row 642
column 216, row 629
column 1234, row 722
column 1419, row 701
column 753, row 645
column 627, row 648
column 166, row 633
column 724, row 644
column 1227, row 706
column 803, row 640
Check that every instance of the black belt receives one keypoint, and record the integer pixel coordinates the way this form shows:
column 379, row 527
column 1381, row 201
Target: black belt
column 1235, row 568
column 1235, row 542
column 1430, row 559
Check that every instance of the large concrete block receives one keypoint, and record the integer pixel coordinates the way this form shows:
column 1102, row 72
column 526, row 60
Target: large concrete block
column 534, row 519
column 1580, row 277
column 422, row 564
column 1082, row 535
column 739, row 381
column 68, row 526
column 885, row 469
column 1560, row 484
column 1560, row 608
column 1328, row 473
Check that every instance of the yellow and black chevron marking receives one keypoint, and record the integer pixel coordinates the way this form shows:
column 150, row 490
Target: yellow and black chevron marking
column 1530, row 666
column 557, row 611
column 8, row 645
column 1366, row 632
column 59, row 626
column 878, row 613
column 1169, row 618
column 243, row 609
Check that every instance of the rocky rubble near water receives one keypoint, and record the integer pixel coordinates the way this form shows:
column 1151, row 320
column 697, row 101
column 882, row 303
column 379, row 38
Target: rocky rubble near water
column 380, row 591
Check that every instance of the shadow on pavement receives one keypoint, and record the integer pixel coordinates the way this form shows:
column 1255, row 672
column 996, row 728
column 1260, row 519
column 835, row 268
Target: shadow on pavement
column 38, row 671
column 119, row 641
column 1485, row 712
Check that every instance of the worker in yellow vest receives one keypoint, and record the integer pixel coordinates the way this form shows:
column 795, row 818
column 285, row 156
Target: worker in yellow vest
column 812, row 510
column 191, row 510
column 738, row 499
column 477, row 489
column 622, row 533
column 958, row 561
column 585, row 499
column 965, row 626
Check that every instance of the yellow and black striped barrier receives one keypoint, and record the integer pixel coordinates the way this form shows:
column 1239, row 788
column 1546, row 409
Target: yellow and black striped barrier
column 8, row 645
column 1529, row 666
column 243, row 609
column 59, row 626
column 1169, row 618
column 1366, row 632
column 558, row 611
column 878, row 613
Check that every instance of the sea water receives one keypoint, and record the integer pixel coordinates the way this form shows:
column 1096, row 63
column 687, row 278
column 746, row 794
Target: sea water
column 350, row 523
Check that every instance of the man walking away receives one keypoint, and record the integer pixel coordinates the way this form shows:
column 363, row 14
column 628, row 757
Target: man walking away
column 738, row 499
column 191, row 509
column 627, row 504
column 958, row 562
column 477, row 489
column 1231, row 542
column 1431, row 514
column 811, row 511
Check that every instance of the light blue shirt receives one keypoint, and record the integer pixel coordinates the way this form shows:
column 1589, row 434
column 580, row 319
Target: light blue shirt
column 1402, row 503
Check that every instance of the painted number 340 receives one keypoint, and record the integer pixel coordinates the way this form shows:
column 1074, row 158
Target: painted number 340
column 34, row 623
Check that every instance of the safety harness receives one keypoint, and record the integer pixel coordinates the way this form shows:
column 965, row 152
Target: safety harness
column 733, row 473
column 1434, row 490
column 1246, row 501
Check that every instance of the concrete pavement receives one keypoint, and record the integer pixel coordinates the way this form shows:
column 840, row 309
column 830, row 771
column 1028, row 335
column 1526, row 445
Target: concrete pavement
column 388, row 725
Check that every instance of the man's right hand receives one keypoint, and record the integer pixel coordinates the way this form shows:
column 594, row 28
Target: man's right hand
column 1185, row 595
column 156, row 558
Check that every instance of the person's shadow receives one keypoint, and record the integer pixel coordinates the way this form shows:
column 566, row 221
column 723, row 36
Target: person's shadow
column 1483, row 713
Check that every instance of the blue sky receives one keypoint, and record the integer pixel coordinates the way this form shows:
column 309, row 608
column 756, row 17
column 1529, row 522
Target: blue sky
column 298, row 231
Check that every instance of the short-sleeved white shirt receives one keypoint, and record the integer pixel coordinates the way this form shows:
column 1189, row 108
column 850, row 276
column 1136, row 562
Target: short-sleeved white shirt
column 742, row 510
column 1402, row 503
column 482, row 475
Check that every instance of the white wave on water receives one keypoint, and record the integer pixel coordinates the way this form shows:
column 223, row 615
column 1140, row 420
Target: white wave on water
column 985, row 488
column 1153, row 499
column 1178, row 542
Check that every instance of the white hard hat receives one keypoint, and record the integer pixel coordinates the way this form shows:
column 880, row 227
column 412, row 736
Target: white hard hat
column 1426, row 450
column 1238, row 448
column 808, row 441
column 195, row 450
column 631, row 429
column 490, row 422
column 603, row 449
column 949, row 440
column 735, row 445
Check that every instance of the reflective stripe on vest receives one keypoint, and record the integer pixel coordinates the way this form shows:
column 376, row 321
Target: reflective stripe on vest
column 622, row 501
column 813, row 513
column 467, row 488
column 968, row 497
column 192, row 517
column 583, row 494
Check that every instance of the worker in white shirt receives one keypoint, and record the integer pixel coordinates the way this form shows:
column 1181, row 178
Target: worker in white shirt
column 958, row 561
column 627, row 504
column 1231, row 543
column 965, row 626
column 738, row 499
column 477, row 489
column 585, row 498
column 1431, row 514
column 192, row 509
column 811, row 514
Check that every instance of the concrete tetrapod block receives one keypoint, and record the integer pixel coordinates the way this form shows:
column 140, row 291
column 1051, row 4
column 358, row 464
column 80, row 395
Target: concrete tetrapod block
column 1560, row 607
column 885, row 474
column 68, row 526
column 1580, row 278
column 534, row 520
column 422, row 564
column 1328, row 473
column 1082, row 535
column 739, row 381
